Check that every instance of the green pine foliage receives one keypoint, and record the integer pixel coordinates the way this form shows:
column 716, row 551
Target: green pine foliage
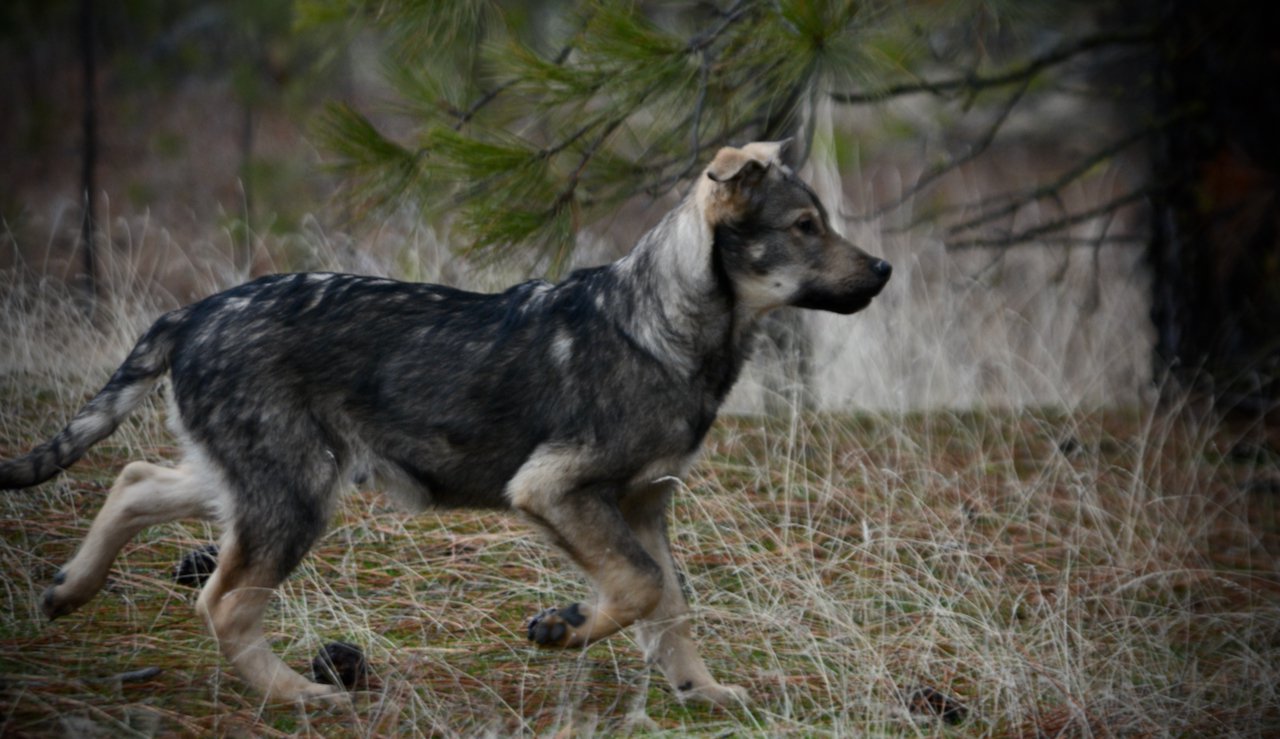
column 528, row 121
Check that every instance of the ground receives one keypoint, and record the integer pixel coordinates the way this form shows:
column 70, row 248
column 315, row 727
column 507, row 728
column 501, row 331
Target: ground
column 1052, row 573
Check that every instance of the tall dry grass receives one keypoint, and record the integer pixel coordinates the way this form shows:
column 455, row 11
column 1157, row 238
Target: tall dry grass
column 987, row 506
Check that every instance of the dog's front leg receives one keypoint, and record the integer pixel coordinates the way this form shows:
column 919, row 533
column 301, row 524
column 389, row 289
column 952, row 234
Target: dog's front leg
column 589, row 527
column 666, row 635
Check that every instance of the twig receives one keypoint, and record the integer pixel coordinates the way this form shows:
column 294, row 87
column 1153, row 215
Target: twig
column 932, row 175
column 587, row 155
column 465, row 116
column 974, row 83
column 1014, row 202
column 603, row 127
column 1035, row 232
column 700, row 45
column 731, row 16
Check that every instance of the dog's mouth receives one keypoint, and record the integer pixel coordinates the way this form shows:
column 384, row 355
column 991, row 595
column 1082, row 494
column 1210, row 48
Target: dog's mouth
column 844, row 303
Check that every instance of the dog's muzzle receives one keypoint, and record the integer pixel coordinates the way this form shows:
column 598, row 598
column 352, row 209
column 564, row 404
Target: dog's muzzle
column 850, row 300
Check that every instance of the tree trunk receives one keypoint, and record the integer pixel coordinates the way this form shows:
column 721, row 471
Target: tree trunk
column 243, row 260
column 1215, row 249
column 89, row 154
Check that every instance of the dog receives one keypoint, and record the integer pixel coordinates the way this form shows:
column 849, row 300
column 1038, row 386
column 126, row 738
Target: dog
column 577, row 405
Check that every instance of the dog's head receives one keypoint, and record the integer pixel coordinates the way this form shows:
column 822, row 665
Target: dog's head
column 773, row 240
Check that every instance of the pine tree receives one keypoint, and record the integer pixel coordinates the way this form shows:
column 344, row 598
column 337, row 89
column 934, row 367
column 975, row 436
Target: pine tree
column 529, row 124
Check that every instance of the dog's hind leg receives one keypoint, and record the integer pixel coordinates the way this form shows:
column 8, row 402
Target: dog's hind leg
column 143, row 495
column 280, row 500
column 665, row 634
column 233, row 602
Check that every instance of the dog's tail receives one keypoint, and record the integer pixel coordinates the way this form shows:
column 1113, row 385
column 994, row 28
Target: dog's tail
column 128, row 387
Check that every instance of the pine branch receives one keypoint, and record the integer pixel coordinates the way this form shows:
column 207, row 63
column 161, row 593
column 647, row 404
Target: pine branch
column 464, row 116
column 386, row 169
column 667, row 179
column 700, row 45
column 527, row 158
column 731, row 16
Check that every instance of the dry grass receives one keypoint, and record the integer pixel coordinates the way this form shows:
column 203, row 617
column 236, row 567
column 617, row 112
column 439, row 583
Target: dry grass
column 1062, row 571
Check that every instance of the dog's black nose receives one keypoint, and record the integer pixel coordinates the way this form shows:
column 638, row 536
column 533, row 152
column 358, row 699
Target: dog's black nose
column 882, row 269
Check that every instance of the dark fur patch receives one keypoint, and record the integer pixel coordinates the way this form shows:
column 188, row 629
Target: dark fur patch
column 927, row 701
column 196, row 566
column 573, row 616
column 547, row 628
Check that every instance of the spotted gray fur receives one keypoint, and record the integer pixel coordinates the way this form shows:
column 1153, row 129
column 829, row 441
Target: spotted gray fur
column 572, row 403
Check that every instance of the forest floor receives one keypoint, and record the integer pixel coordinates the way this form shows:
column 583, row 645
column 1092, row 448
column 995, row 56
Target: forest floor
column 1033, row 573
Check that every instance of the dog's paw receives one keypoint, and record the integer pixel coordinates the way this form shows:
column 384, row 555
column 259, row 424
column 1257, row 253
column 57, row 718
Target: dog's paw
column 197, row 566
column 331, row 697
column 554, row 627
column 60, row 598
column 725, row 696
column 341, row 664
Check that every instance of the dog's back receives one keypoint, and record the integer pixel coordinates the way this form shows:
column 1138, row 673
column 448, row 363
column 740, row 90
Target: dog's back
column 439, row 393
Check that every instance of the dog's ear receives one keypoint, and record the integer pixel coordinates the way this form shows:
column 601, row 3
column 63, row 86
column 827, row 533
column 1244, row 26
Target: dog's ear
column 733, row 164
column 725, row 193
column 746, row 163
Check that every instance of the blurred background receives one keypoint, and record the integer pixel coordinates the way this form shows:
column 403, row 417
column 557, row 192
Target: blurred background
column 1036, row 525
column 1079, row 198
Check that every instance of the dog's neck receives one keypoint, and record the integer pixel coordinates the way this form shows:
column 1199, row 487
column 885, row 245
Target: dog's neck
column 680, row 309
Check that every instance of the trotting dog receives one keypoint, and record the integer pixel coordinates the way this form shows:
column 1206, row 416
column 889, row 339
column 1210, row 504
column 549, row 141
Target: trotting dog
column 576, row 404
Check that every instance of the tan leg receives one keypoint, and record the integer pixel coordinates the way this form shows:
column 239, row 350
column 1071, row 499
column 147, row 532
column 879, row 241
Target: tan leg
column 143, row 495
column 666, row 635
column 233, row 602
column 627, row 581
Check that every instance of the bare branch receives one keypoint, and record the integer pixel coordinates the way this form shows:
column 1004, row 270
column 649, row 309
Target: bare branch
column 972, row 83
column 1015, row 202
column 931, row 175
column 731, row 16
column 1041, row 233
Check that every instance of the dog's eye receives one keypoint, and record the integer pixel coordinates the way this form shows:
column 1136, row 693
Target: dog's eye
column 807, row 225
